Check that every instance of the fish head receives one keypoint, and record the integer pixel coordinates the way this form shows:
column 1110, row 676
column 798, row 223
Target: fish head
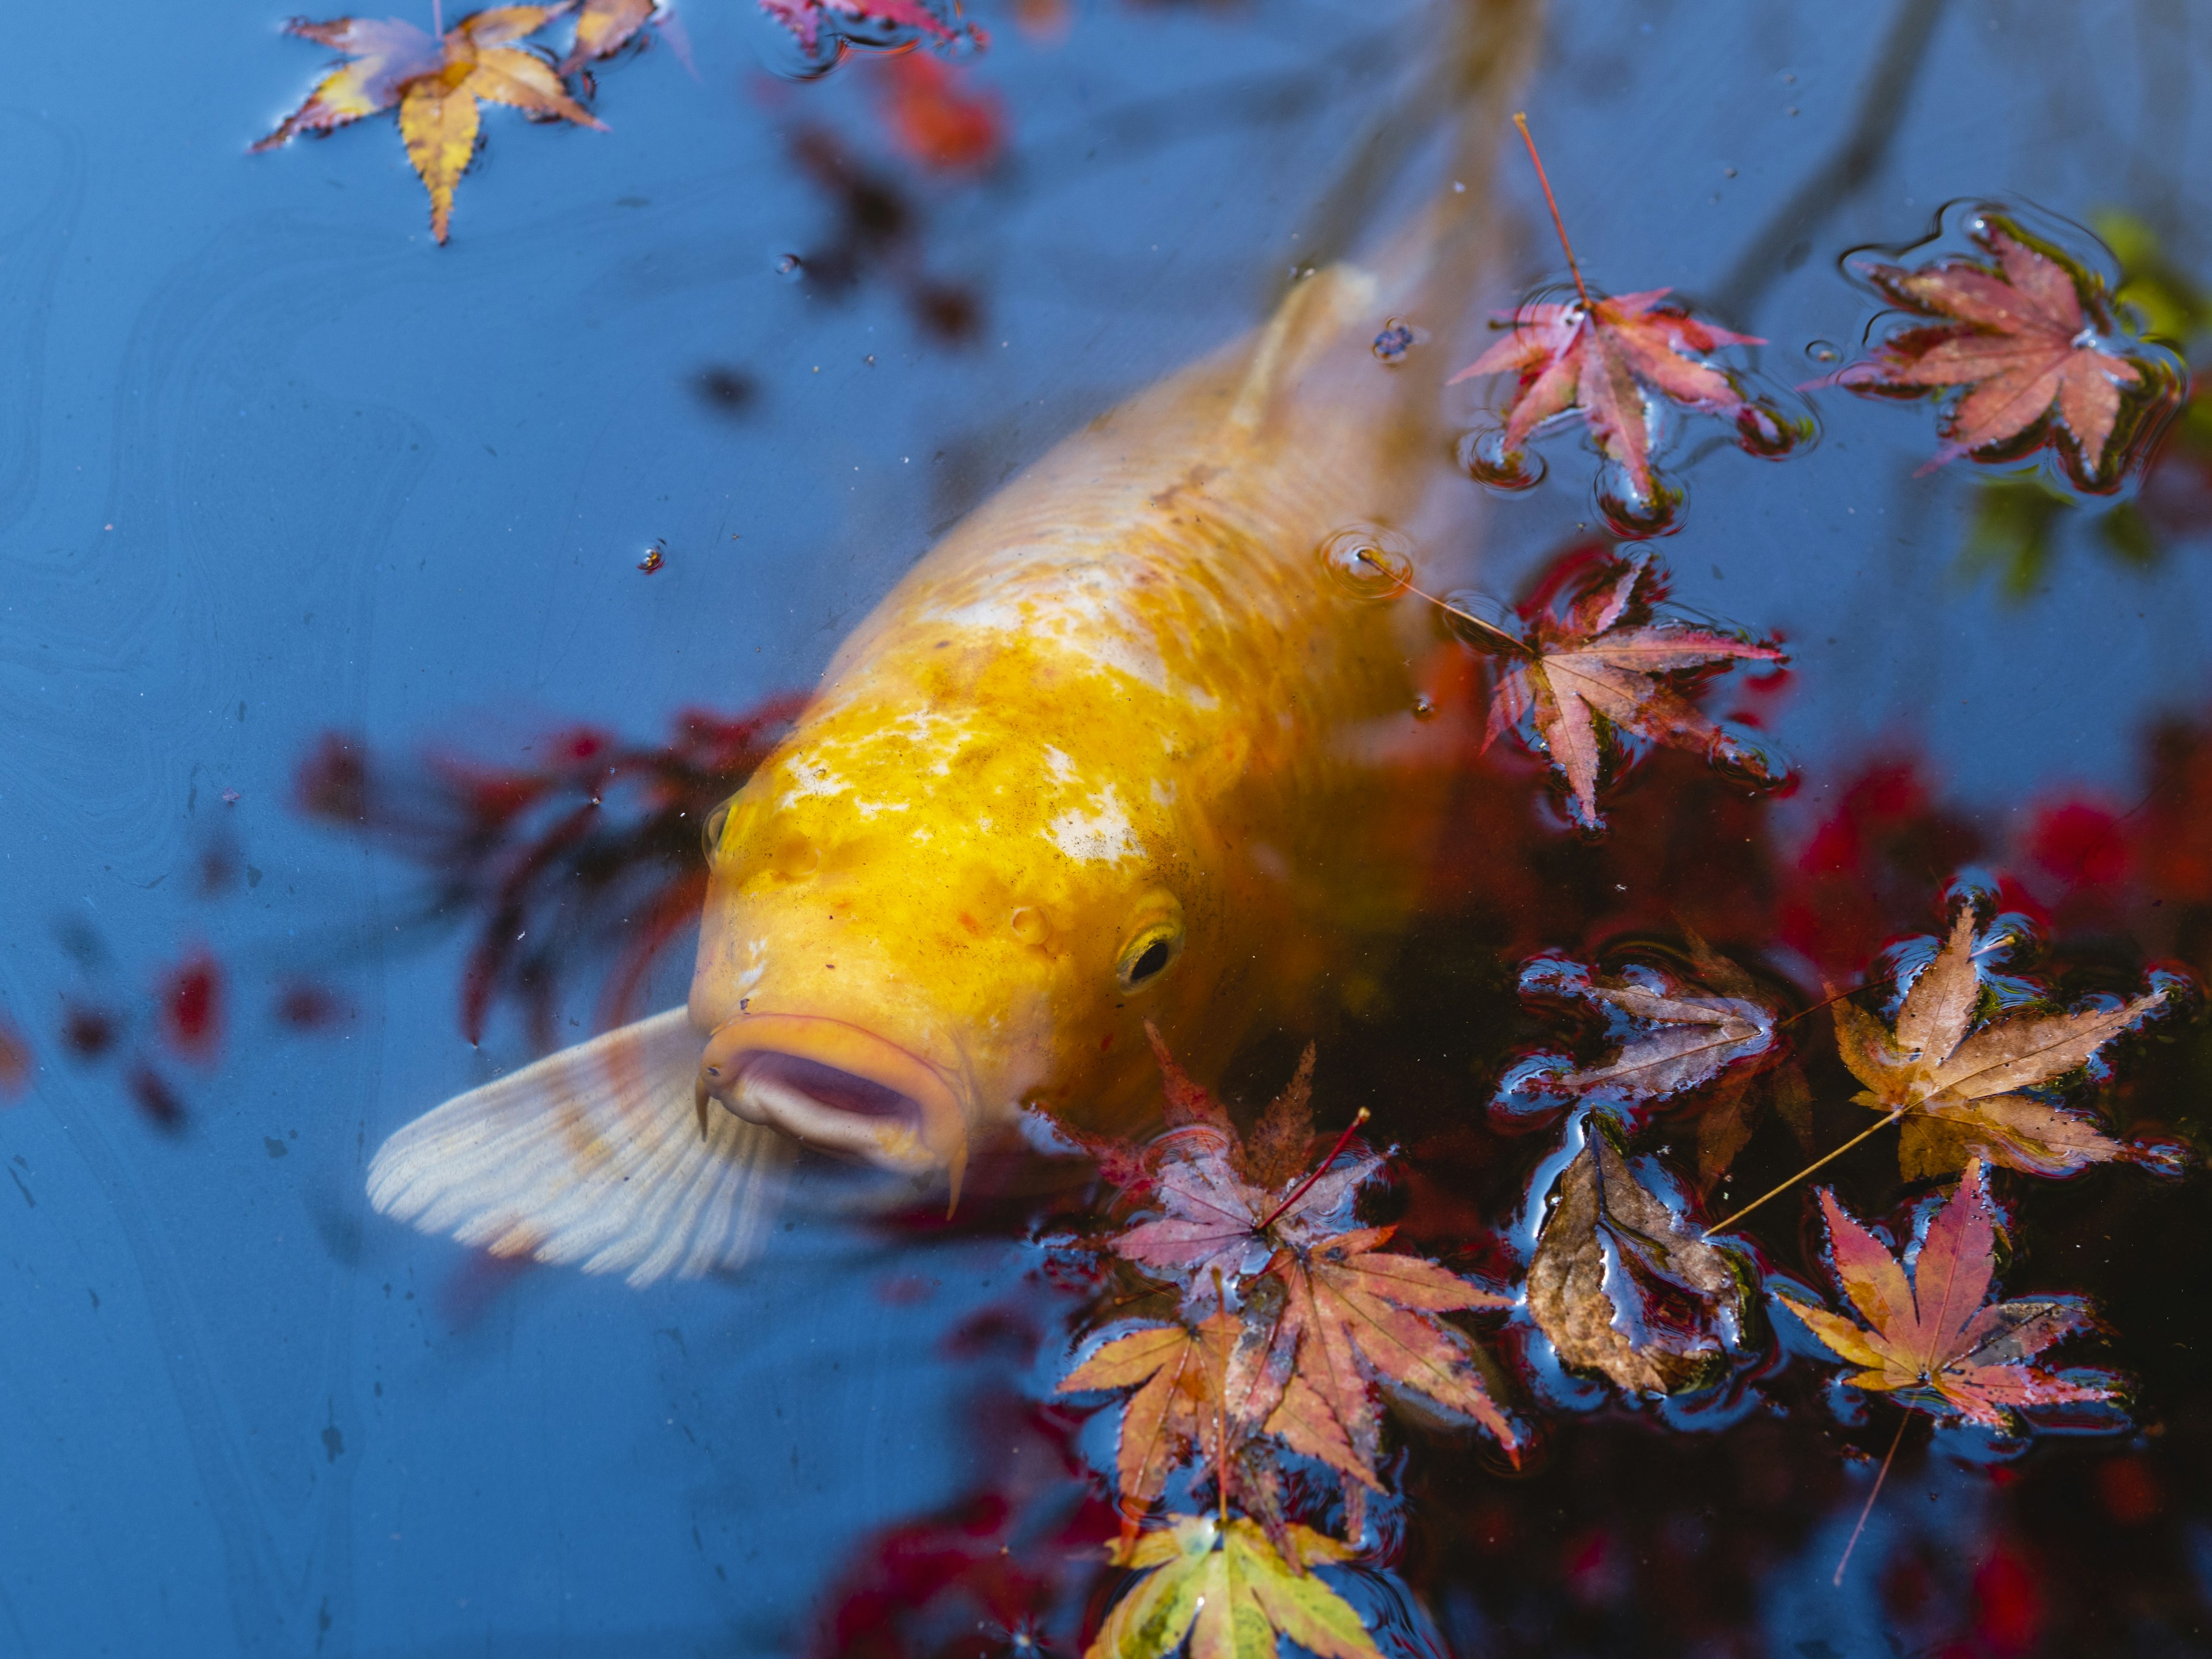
column 919, row 923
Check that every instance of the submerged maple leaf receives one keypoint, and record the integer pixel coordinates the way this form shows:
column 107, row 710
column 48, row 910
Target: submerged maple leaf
column 1227, row 1588
column 1606, row 666
column 437, row 82
column 1927, row 1337
column 2021, row 341
column 1957, row 1088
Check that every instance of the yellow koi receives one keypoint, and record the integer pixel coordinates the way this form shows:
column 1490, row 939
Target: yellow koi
column 1129, row 743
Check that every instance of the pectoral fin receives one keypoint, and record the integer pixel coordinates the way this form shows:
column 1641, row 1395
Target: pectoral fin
column 596, row 1155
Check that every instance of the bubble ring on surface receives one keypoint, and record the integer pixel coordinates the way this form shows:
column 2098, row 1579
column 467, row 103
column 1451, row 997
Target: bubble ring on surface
column 1368, row 561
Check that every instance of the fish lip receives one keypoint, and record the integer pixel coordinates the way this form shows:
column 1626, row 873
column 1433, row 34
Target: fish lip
column 735, row 1071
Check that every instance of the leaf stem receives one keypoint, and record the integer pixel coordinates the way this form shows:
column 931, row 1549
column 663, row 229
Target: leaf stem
column 438, row 28
column 1522, row 647
column 1903, row 1418
column 1320, row 1169
column 1221, row 1415
column 1558, row 224
column 1801, row 1174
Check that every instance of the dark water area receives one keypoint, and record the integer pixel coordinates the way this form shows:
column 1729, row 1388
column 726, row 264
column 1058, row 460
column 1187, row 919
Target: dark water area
column 381, row 620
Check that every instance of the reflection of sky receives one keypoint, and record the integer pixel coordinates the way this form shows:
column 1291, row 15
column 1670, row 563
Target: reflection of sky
column 269, row 463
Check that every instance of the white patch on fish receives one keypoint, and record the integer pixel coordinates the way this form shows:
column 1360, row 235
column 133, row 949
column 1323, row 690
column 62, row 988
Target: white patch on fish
column 1104, row 836
column 1083, row 607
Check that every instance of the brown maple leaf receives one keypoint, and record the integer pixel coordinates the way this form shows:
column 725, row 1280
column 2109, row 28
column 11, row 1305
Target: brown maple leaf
column 437, row 82
column 2018, row 339
column 1606, row 667
column 1928, row 1336
column 1624, row 1285
column 1958, row 1088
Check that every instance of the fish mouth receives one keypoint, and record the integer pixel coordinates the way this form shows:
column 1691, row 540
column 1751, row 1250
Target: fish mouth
column 837, row 1086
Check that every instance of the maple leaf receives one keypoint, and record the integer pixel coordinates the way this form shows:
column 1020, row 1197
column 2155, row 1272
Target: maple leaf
column 1928, row 1334
column 1361, row 1316
column 2019, row 340
column 1623, row 1285
column 1181, row 1377
column 1958, row 1088
column 1226, row 1206
column 1228, row 1589
column 437, row 83
column 1606, row 360
column 604, row 27
column 823, row 24
column 1606, row 667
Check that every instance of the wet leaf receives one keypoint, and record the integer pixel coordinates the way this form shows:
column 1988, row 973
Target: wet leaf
column 1362, row 1316
column 1959, row 1088
column 2018, row 340
column 1929, row 1335
column 1624, row 1285
column 1606, row 361
column 1180, row 1374
column 1233, row 1594
column 1607, row 667
column 437, row 83
column 819, row 24
column 604, row 27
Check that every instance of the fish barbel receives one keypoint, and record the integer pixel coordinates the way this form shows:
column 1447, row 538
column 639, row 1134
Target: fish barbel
column 1134, row 742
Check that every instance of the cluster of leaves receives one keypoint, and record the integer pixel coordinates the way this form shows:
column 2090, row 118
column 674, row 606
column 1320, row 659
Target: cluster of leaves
column 593, row 850
column 1290, row 1320
column 437, row 81
column 1588, row 663
column 1976, row 1066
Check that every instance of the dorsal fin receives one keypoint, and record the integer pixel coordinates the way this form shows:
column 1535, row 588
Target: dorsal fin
column 594, row 1155
column 1312, row 318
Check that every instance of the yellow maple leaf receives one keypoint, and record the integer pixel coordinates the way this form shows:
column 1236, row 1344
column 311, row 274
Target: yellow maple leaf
column 437, row 82
column 1958, row 1088
column 1227, row 1588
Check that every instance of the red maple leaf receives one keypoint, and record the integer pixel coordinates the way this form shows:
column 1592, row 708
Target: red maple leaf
column 819, row 22
column 1604, row 359
column 2018, row 337
column 1605, row 666
column 1929, row 1335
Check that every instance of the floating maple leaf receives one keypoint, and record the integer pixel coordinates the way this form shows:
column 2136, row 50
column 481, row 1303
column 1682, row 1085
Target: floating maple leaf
column 1928, row 1336
column 1615, row 360
column 437, row 82
column 1957, row 1088
column 1227, row 1587
column 1180, row 1378
column 1624, row 1285
column 2020, row 339
column 821, row 26
column 604, row 27
column 1605, row 666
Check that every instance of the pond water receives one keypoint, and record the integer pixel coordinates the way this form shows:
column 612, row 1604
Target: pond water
column 292, row 497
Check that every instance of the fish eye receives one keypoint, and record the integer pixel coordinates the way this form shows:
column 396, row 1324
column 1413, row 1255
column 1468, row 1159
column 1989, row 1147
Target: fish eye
column 1149, row 955
column 711, row 834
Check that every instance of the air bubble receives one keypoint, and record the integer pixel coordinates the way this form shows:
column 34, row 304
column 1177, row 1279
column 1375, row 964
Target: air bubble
column 1747, row 758
column 1368, row 563
column 790, row 266
column 1824, row 351
column 1487, row 461
column 1397, row 339
column 1763, row 430
column 1424, row 707
column 1632, row 515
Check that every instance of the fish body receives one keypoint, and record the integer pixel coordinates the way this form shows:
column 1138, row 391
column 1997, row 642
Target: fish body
column 1137, row 741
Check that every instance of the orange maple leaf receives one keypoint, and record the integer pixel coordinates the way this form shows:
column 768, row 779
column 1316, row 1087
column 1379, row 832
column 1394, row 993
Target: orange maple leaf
column 437, row 82
column 604, row 27
column 1181, row 1375
column 2021, row 341
column 1606, row 666
column 1929, row 1337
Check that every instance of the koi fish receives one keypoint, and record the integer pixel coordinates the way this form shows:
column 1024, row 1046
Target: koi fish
column 1130, row 745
